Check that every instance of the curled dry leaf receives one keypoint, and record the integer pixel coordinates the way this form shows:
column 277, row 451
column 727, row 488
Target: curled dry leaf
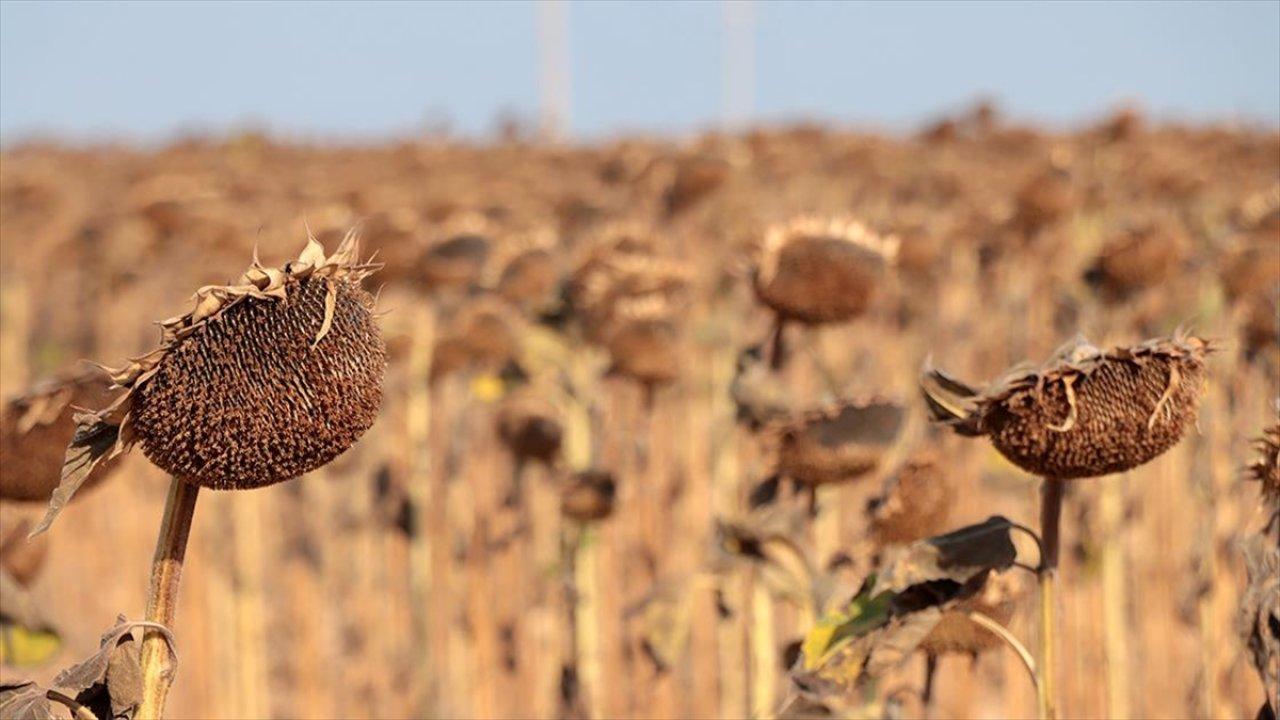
column 25, row 700
column 106, row 685
column 898, row 608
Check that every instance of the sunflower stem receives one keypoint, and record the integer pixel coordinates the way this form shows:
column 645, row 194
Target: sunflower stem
column 778, row 345
column 162, row 598
column 930, row 672
column 1050, row 516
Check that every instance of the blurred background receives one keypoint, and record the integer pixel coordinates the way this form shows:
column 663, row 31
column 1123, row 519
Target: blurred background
column 353, row 69
column 573, row 201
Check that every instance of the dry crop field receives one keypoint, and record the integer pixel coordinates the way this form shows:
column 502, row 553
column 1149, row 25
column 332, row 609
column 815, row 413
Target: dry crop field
column 651, row 439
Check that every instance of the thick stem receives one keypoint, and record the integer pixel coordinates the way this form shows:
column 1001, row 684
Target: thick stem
column 1050, row 516
column 778, row 344
column 162, row 598
column 1115, row 623
column 930, row 670
column 571, row 703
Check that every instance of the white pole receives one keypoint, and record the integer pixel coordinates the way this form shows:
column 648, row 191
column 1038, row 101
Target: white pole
column 738, row 64
column 553, row 68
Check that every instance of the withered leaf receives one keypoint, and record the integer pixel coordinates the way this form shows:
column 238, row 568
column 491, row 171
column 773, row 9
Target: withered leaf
column 25, row 700
column 1258, row 619
column 899, row 639
column 95, row 440
column 863, row 614
column 958, row 556
column 110, row 680
column 895, row 610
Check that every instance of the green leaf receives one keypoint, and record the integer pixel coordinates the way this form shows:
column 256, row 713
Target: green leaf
column 862, row 615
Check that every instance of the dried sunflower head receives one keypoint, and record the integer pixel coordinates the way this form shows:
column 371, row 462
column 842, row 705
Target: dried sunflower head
column 589, row 495
column 1261, row 328
column 695, row 178
column 530, row 428
column 821, row 271
column 1135, row 260
column 915, row 503
column 1044, row 200
column 457, row 260
column 1251, row 268
column 642, row 342
column 35, row 428
column 620, row 270
column 261, row 382
column 1085, row 412
column 484, row 336
column 526, row 272
column 1266, row 469
column 839, row 443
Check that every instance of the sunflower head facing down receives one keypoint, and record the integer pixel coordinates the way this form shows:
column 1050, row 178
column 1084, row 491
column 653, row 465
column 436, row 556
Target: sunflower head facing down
column 260, row 382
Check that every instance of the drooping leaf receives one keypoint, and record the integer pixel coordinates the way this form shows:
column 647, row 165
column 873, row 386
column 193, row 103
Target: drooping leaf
column 896, row 609
column 862, row 615
column 95, row 441
column 25, row 700
column 900, row 639
column 958, row 556
column 110, row 680
column 89, row 680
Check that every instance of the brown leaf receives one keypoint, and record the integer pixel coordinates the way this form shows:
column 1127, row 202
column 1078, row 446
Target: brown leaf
column 25, row 700
column 896, row 610
column 110, row 680
column 1258, row 619
column 95, row 440
column 900, row 639
column 958, row 556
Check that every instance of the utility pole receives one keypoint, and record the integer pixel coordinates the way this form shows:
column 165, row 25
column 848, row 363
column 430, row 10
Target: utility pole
column 553, row 69
column 737, row 63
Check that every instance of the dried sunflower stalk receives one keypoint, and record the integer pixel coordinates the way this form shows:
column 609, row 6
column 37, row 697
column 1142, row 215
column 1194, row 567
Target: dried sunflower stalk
column 260, row 382
column 1084, row 413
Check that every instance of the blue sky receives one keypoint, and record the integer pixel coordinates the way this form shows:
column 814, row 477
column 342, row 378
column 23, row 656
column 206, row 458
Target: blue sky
column 365, row 69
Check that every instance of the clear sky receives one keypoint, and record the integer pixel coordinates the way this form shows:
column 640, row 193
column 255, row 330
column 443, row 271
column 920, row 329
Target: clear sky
column 150, row 70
